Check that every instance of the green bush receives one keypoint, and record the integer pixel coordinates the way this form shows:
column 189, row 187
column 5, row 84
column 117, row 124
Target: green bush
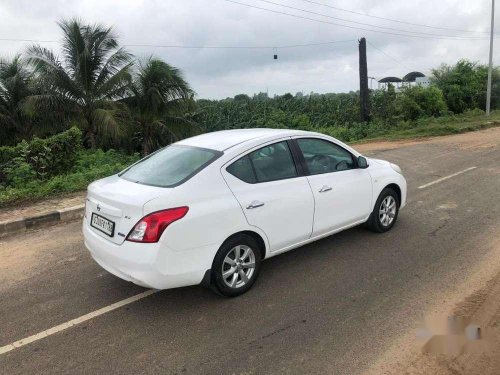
column 412, row 103
column 417, row 101
column 19, row 172
column 355, row 131
column 464, row 85
column 7, row 153
column 383, row 106
column 89, row 166
column 59, row 151
column 47, row 157
column 100, row 160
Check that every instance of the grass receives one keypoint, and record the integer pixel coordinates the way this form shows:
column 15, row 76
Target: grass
column 435, row 127
column 90, row 166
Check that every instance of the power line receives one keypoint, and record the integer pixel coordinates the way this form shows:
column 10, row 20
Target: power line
column 389, row 56
column 351, row 27
column 419, row 34
column 316, row 44
column 28, row 40
column 240, row 47
column 360, row 23
column 394, row 20
column 196, row 46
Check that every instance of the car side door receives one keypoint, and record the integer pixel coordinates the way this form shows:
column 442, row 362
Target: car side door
column 273, row 193
column 342, row 191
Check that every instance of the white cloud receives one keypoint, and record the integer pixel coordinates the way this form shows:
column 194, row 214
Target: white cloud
column 217, row 73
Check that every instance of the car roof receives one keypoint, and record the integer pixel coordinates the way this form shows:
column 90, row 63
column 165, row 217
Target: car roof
column 224, row 139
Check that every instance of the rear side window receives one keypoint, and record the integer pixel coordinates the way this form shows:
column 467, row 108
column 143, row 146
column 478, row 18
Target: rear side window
column 170, row 166
column 242, row 169
column 269, row 163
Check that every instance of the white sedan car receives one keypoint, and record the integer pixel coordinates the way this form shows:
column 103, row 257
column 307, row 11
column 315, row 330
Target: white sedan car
column 210, row 208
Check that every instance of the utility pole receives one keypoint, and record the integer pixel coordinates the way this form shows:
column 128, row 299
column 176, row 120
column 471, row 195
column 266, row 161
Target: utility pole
column 490, row 68
column 363, row 81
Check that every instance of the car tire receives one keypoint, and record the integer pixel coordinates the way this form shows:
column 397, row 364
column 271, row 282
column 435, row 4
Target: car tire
column 385, row 211
column 234, row 275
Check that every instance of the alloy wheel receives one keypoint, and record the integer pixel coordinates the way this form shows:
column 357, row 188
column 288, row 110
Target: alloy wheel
column 387, row 211
column 238, row 266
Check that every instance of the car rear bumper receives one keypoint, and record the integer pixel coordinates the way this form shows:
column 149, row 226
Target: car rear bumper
column 148, row 265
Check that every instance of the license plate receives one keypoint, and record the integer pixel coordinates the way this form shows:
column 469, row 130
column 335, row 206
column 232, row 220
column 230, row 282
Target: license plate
column 104, row 225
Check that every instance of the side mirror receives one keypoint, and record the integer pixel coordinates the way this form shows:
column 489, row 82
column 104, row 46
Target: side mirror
column 362, row 162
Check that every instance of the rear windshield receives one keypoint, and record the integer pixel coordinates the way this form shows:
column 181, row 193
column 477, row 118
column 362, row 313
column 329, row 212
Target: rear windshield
column 170, row 166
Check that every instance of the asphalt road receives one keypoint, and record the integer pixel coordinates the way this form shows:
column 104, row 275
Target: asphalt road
column 329, row 307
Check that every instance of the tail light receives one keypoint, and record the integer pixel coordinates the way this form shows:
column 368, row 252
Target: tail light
column 151, row 227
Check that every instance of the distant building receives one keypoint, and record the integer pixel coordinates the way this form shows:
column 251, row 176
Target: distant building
column 423, row 81
column 386, row 81
column 412, row 78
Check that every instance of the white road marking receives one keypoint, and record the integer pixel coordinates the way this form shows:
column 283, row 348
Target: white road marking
column 445, row 178
column 74, row 322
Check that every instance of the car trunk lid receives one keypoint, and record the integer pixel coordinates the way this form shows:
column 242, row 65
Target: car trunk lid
column 119, row 201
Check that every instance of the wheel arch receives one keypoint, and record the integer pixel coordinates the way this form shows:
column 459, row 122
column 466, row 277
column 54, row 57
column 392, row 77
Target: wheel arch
column 256, row 236
column 396, row 188
column 207, row 280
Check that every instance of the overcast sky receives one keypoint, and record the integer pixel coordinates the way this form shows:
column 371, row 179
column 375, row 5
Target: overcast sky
column 219, row 73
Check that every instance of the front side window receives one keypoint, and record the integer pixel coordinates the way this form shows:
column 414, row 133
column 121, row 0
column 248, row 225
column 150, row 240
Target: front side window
column 269, row 163
column 170, row 166
column 324, row 157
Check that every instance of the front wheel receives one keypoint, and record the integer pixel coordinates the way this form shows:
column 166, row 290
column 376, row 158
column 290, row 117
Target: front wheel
column 236, row 265
column 385, row 212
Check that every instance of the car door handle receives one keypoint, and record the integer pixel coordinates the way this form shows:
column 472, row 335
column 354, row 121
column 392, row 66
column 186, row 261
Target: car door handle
column 325, row 188
column 255, row 204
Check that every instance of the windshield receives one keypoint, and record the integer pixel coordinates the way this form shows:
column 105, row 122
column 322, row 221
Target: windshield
column 170, row 166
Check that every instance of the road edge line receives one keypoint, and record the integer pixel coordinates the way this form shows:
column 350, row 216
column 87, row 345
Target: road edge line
column 71, row 323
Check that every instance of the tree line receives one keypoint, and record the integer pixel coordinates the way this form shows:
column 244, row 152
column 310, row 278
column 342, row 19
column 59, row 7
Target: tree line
column 454, row 89
column 130, row 105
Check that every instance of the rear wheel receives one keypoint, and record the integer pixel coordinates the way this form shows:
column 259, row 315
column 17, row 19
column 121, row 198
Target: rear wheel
column 236, row 265
column 385, row 212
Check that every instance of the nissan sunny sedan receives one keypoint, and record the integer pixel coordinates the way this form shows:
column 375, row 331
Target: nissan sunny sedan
column 210, row 208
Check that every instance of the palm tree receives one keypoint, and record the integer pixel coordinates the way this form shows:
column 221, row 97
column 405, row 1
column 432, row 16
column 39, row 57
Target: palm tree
column 14, row 89
column 162, row 104
column 93, row 73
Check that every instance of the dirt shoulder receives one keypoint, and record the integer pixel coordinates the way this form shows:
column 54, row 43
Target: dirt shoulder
column 472, row 140
column 465, row 340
